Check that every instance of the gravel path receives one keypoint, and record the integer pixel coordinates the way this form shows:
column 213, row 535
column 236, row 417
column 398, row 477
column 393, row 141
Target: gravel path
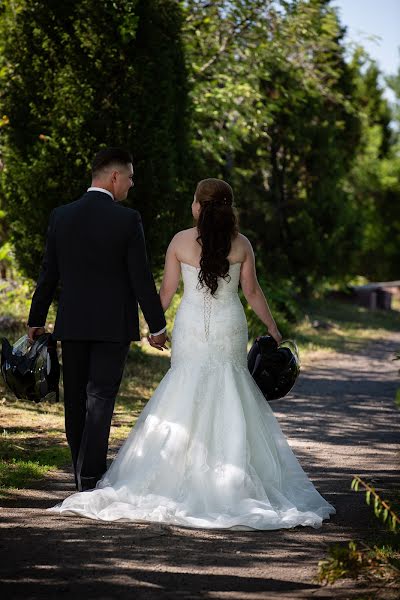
column 340, row 420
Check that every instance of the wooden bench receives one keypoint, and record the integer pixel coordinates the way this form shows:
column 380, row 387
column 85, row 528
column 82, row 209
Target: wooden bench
column 376, row 295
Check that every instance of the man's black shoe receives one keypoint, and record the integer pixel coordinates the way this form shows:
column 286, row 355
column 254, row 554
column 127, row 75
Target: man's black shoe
column 87, row 483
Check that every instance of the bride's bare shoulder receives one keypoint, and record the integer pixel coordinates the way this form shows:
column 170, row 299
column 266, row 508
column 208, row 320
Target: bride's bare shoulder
column 242, row 240
column 240, row 246
column 185, row 235
column 187, row 232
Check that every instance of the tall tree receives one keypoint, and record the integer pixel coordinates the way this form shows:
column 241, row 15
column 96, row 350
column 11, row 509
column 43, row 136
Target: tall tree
column 274, row 115
column 82, row 75
column 374, row 180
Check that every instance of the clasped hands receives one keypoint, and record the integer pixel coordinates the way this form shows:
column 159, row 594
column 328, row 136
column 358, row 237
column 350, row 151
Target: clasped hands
column 158, row 341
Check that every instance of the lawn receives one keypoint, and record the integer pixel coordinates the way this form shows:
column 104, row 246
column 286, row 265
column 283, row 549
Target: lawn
column 343, row 326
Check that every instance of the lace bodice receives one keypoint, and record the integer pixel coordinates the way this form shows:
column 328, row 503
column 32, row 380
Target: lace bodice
column 210, row 329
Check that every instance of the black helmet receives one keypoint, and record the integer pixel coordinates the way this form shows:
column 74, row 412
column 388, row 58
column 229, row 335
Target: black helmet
column 31, row 370
column 274, row 368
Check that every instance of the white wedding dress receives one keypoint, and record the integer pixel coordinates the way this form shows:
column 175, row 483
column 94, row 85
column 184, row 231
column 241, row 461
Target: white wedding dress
column 207, row 450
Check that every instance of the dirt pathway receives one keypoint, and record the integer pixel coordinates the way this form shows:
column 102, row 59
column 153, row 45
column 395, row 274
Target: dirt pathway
column 340, row 420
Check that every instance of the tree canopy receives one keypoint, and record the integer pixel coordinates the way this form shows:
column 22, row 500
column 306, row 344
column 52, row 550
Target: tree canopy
column 83, row 75
column 259, row 92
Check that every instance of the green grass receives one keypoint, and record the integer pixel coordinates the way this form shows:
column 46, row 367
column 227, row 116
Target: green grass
column 378, row 565
column 27, row 453
column 16, row 472
column 397, row 398
column 353, row 326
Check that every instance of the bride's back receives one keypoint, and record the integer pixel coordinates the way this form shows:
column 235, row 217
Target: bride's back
column 188, row 249
column 196, row 293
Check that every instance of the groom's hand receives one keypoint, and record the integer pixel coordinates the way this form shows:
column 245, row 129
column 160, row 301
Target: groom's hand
column 158, row 341
column 34, row 332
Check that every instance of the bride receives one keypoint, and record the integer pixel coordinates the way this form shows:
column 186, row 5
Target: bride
column 207, row 450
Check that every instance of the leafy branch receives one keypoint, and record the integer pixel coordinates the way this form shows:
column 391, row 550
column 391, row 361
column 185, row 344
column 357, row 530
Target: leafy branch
column 382, row 508
column 380, row 564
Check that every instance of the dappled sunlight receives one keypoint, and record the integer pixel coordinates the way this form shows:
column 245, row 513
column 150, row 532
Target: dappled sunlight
column 188, row 557
column 341, row 420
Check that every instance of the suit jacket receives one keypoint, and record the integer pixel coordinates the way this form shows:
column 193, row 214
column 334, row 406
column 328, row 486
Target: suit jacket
column 96, row 249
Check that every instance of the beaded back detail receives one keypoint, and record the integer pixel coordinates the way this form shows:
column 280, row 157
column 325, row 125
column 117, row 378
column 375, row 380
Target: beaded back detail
column 207, row 312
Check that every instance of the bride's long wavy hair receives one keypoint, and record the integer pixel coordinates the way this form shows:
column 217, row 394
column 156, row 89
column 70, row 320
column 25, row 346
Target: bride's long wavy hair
column 217, row 225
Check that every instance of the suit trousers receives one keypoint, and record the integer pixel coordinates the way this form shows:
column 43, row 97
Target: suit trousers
column 92, row 373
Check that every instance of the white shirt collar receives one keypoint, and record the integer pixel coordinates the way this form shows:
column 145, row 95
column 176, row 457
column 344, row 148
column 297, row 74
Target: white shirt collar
column 97, row 189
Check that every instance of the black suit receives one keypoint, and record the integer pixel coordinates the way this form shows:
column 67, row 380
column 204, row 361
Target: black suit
column 96, row 250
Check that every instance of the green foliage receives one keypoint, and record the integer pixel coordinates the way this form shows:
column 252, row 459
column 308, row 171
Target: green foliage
column 6, row 254
column 15, row 299
column 273, row 114
column 83, row 75
column 258, row 92
column 397, row 398
column 378, row 564
column 374, row 180
column 283, row 305
column 382, row 509
column 343, row 561
column 5, row 251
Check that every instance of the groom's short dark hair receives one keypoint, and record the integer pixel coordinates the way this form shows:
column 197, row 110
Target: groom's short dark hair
column 110, row 156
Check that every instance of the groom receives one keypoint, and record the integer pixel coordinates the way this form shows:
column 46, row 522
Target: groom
column 96, row 250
